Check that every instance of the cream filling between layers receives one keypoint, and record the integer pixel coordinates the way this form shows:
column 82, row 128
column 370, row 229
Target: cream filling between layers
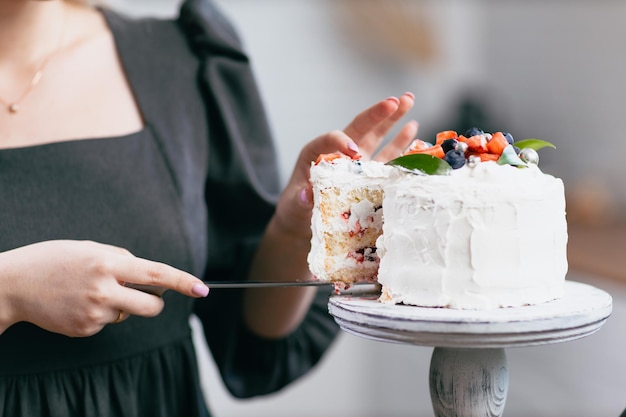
column 346, row 211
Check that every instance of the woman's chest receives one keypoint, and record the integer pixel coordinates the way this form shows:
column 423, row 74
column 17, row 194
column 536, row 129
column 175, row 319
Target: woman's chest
column 117, row 191
column 82, row 92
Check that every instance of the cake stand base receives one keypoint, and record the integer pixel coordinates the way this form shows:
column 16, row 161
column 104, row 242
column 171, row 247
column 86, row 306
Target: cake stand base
column 468, row 371
column 468, row 382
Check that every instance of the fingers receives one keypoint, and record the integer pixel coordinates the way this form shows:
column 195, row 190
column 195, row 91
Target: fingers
column 370, row 126
column 128, row 301
column 406, row 102
column 120, row 317
column 335, row 141
column 364, row 134
column 155, row 274
column 371, row 117
column 306, row 196
column 143, row 283
column 361, row 138
column 395, row 148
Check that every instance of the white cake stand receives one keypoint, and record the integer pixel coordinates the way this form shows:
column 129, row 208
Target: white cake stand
column 468, row 368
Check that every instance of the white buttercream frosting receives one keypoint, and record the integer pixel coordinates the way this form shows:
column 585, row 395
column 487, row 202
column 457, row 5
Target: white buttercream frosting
column 483, row 237
column 346, row 172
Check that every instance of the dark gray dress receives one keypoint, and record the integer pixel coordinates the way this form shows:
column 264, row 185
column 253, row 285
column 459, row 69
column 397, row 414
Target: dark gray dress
column 194, row 188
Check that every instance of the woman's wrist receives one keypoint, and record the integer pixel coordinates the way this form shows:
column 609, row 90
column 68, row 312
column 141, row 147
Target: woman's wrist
column 292, row 219
column 7, row 316
column 286, row 238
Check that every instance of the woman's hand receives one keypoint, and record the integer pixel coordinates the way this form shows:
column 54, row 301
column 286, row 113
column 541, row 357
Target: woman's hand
column 361, row 138
column 77, row 287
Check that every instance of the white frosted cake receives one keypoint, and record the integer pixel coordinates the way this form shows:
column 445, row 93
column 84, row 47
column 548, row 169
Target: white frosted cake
column 347, row 218
column 483, row 237
column 486, row 230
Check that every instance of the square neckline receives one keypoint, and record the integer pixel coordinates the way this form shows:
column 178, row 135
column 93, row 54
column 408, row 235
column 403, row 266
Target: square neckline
column 143, row 130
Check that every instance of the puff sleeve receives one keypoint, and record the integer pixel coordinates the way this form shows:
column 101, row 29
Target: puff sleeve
column 242, row 189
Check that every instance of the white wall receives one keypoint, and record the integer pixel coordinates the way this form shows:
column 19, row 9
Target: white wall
column 557, row 67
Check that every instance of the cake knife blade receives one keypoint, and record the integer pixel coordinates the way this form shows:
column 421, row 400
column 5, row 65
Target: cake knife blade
column 357, row 287
column 341, row 288
column 264, row 284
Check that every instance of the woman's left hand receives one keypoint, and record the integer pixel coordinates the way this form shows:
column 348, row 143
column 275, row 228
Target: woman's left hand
column 361, row 138
column 282, row 253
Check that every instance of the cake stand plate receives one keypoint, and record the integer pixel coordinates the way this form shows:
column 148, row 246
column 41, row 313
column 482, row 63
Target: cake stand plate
column 468, row 370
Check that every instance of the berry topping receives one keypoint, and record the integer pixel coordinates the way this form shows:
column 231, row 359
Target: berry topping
column 329, row 157
column 473, row 131
column 446, row 134
column 477, row 143
column 419, row 145
column 436, row 150
column 449, row 144
column 455, row 151
column 455, row 158
column 497, row 143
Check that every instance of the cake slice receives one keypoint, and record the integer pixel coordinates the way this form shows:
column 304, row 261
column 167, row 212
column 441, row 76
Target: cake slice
column 347, row 218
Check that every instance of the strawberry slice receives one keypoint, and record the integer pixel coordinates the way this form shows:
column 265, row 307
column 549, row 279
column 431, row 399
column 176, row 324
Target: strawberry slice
column 477, row 144
column 446, row 134
column 328, row 157
column 436, row 150
column 497, row 143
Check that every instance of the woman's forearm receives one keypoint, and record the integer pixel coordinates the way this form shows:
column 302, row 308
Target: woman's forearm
column 275, row 312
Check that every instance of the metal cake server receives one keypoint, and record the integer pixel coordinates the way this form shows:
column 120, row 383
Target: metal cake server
column 264, row 284
column 357, row 287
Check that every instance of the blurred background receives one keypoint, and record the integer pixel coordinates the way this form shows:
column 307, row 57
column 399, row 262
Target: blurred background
column 552, row 70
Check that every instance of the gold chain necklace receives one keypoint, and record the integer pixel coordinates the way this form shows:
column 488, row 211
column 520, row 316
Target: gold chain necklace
column 14, row 106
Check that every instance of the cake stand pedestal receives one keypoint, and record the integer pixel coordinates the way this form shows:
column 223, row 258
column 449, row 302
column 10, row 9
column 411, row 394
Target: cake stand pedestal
column 468, row 370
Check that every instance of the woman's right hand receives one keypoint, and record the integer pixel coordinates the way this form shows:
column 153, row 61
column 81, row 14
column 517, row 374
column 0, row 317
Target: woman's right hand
column 76, row 288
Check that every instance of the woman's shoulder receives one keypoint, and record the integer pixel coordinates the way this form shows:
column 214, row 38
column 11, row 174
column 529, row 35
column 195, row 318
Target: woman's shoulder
column 138, row 32
column 200, row 25
column 208, row 28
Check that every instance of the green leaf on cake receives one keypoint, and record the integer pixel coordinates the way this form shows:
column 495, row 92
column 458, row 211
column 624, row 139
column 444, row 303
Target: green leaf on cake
column 535, row 144
column 422, row 164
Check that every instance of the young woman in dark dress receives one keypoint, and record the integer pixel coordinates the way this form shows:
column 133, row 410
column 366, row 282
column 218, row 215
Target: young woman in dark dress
column 136, row 152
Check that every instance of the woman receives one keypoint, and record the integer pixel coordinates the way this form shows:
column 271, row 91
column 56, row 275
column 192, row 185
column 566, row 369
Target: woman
column 137, row 153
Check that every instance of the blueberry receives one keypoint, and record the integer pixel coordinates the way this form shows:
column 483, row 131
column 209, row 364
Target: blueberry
column 455, row 158
column 517, row 150
column 509, row 137
column 473, row 131
column 448, row 145
column 368, row 253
